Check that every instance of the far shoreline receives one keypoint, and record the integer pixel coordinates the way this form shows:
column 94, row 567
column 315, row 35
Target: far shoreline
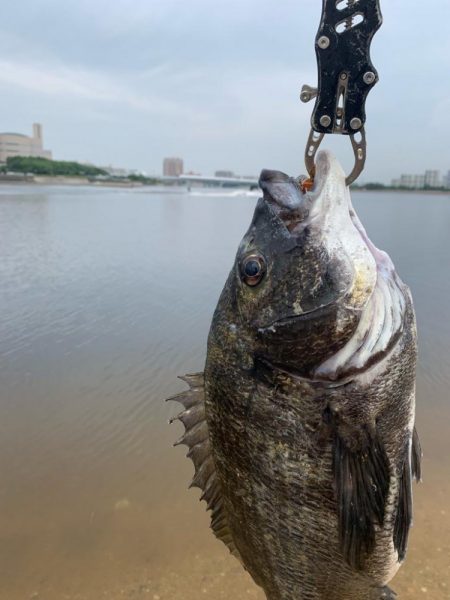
column 49, row 180
column 69, row 181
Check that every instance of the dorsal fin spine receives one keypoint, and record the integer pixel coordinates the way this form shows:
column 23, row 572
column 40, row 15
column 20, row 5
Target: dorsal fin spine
column 196, row 438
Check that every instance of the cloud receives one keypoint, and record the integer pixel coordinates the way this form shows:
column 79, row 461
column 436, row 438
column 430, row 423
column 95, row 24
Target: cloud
column 75, row 83
column 218, row 86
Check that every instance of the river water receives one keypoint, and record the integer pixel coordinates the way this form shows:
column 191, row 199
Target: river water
column 107, row 296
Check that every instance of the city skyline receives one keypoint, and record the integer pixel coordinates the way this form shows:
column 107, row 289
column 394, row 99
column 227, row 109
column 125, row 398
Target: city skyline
column 430, row 179
column 174, row 166
column 18, row 144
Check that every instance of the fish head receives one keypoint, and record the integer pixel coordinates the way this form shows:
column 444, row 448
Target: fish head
column 303, row 272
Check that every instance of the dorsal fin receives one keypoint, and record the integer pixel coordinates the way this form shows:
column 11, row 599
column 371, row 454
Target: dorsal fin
column 196, row 438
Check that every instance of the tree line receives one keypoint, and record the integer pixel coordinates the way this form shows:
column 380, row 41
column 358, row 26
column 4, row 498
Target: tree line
column 44, row 166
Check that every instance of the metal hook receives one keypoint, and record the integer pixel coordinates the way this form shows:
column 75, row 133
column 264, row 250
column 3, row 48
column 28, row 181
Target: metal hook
column 359, row 151
column 312, row 145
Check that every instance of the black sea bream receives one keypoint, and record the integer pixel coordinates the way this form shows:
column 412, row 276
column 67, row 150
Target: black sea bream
column 301, row 428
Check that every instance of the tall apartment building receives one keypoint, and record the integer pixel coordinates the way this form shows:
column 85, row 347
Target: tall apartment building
column 17, row 144
column 432, row 179
column 419, row 181
column 409, row 181
column 173, row 167
column 447, row 180
column 412, row 181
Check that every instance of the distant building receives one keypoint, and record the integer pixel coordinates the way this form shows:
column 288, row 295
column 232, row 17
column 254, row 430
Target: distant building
column 432, row 179
column 407, row 181
column 224, row 174
column 118, row 171
column 447, row 180
column 172, row 167
column 413, row 182
column 420, row 182
column 17, row 144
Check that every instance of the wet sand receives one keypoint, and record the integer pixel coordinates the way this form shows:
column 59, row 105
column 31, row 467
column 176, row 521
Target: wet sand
column 107, row 301
column 164, row 549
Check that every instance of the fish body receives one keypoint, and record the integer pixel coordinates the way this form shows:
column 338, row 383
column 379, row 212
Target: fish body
column 301, row 427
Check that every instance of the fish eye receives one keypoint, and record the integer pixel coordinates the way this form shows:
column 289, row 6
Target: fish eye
column 253, row 268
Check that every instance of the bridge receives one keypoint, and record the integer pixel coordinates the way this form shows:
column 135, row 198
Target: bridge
column 212, row 181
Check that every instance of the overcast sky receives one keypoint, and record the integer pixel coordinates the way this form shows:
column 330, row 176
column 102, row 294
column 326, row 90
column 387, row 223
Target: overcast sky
column 127, row 82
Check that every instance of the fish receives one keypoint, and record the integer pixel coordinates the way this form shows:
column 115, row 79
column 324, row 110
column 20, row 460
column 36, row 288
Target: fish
column 301, row 427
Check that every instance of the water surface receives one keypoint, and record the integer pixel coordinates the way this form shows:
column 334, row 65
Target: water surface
column 107, row 296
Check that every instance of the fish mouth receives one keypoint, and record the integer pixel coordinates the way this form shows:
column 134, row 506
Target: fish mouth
column 330, row 198
column 325, row 211
column 297, row 208
column 376, row 293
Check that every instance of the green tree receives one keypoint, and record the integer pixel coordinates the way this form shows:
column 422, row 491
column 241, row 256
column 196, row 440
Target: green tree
column 44, row 166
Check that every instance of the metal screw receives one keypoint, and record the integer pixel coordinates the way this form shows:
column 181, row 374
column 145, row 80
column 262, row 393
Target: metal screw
column 323, row 42
column 369, row 77
column 355, row 123
column 325, row 120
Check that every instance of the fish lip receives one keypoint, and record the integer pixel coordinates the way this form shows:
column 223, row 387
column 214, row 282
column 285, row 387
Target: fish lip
column 326, row 163
column 327, row 166
column 291, row 203
column 283, row 193
column 272, row 176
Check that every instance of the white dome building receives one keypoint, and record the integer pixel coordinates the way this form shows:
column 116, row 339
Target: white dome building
column 17, row 144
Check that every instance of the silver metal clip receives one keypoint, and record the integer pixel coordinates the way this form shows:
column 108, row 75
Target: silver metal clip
column 359, row 145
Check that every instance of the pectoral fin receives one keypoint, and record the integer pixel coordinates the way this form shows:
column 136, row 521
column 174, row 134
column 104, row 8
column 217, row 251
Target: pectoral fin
column 416, row 456
column 361, row 478
column 411, row 468
column 196, row 438
column 403, row 517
